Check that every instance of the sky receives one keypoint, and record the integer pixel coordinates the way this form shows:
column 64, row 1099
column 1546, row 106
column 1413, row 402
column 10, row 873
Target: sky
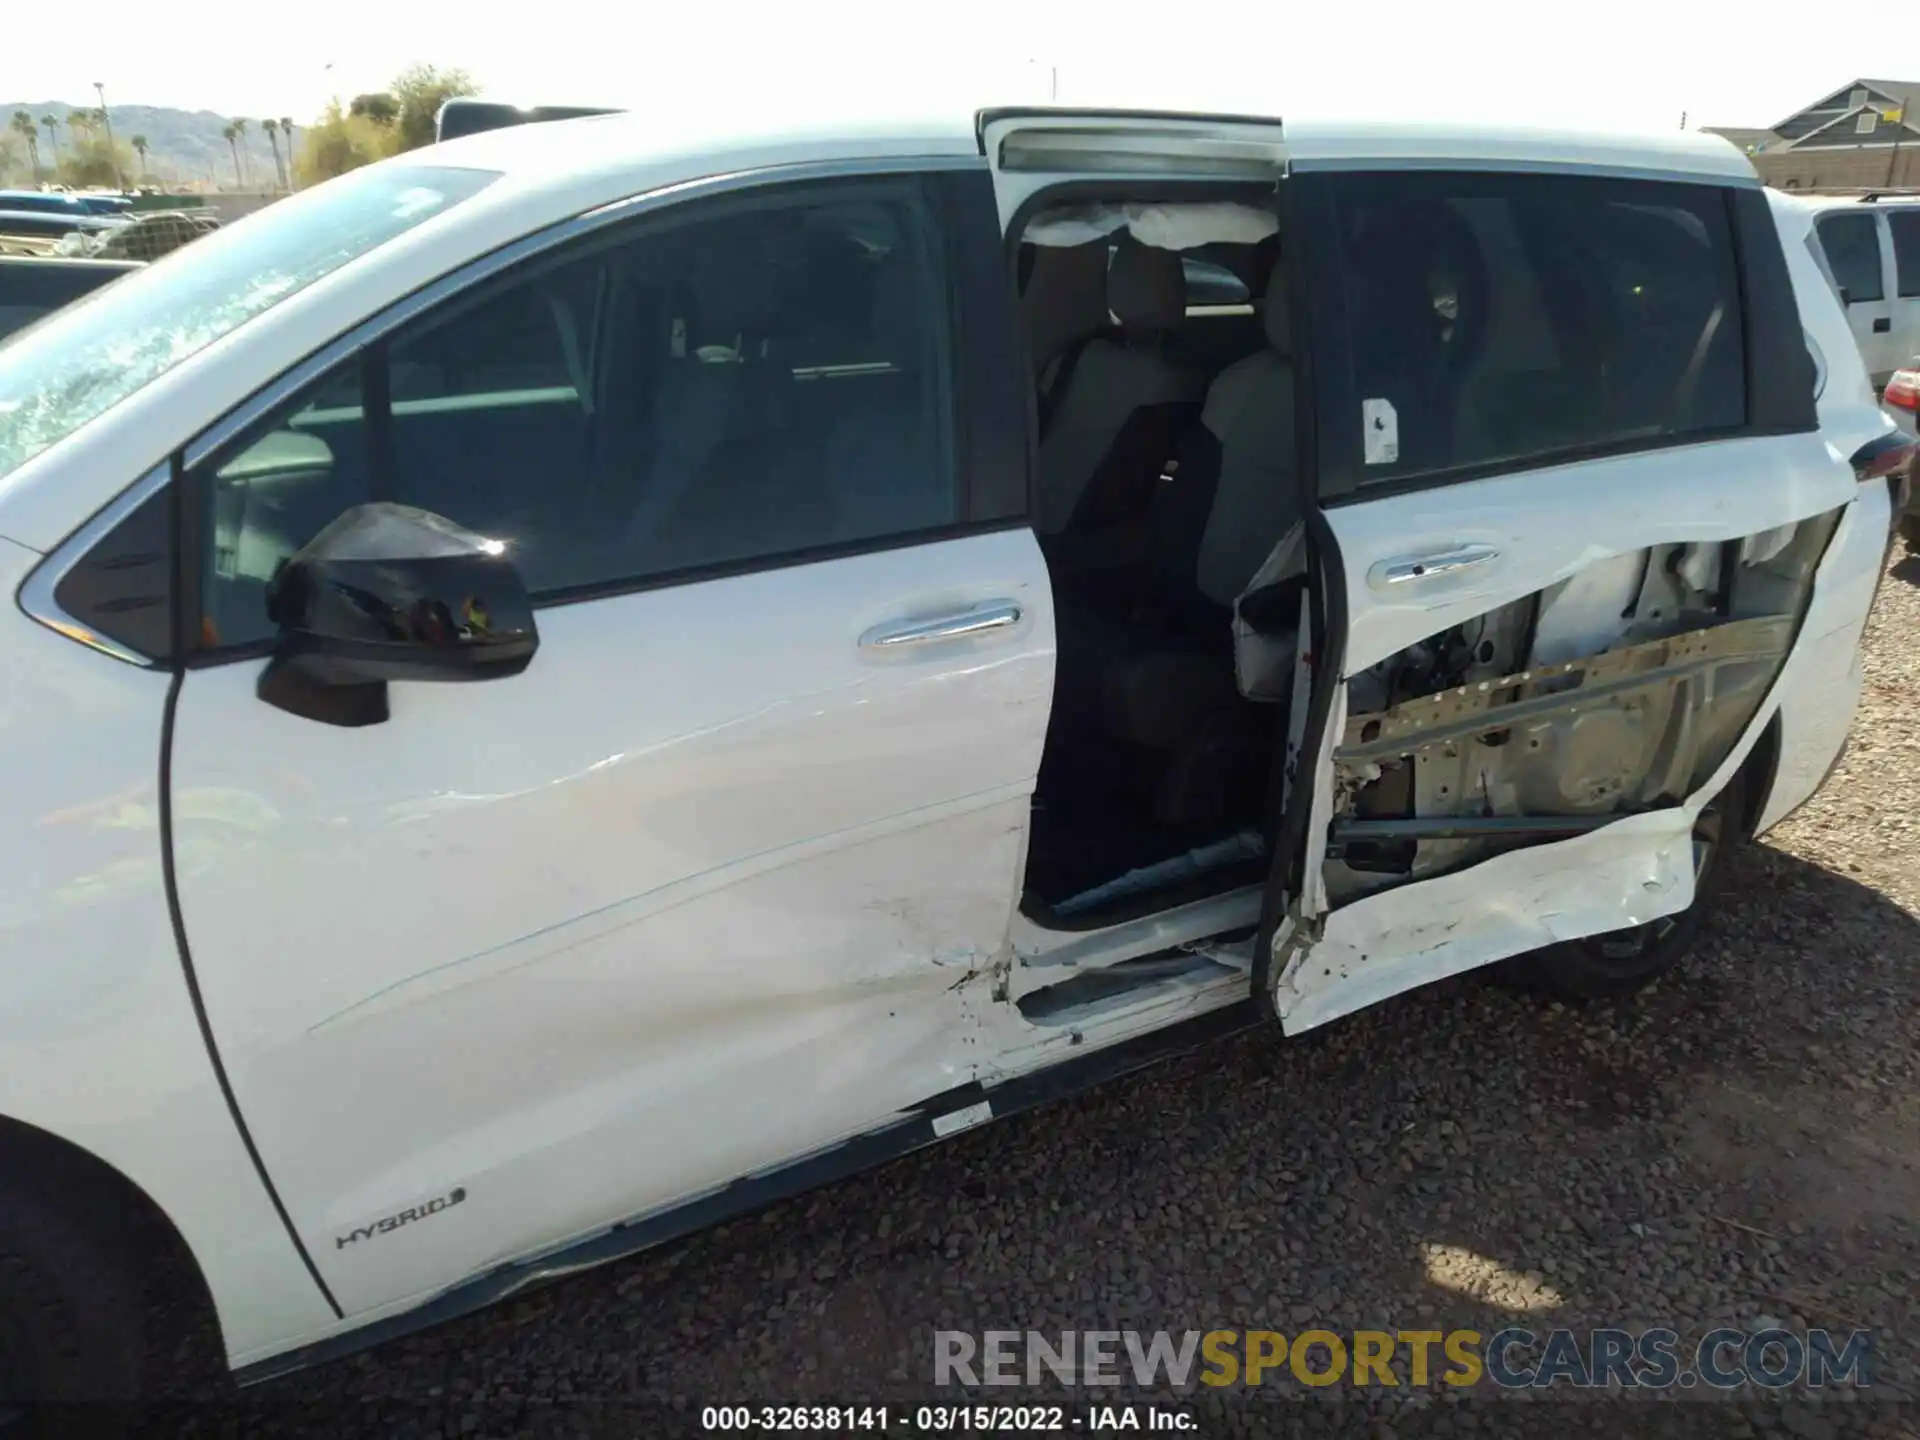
column 1625, row 64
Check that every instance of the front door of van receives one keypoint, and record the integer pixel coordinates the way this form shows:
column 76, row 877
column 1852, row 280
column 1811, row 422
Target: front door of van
column 1575, row 514
column 706, row 886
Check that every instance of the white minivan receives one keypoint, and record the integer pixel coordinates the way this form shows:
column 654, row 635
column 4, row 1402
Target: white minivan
column 1871, row 251
column 915, row 662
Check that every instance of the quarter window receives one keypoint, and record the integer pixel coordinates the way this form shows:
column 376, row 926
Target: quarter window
column 1852, row 243
column 1497, row 319
column 761, row 381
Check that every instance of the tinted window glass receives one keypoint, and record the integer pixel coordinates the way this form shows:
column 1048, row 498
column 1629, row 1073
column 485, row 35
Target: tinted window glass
column 1852, row 243
column 763, row 380
column 1211, row 283
column 1905, row 225
column 1499, row 318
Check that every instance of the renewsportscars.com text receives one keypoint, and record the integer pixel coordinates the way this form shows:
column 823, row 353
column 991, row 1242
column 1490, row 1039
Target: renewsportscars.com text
column 1512, row 1358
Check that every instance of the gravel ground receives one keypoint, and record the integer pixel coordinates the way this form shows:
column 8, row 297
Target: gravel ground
column 1740, row 1142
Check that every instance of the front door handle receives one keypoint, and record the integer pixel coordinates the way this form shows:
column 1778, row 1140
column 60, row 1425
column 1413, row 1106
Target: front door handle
column 983, row 620
column 1430, row 567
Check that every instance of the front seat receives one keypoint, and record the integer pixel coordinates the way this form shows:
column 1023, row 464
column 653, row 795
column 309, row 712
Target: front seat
column 1098, row 388
column 1063, row 303
column 1249, row 416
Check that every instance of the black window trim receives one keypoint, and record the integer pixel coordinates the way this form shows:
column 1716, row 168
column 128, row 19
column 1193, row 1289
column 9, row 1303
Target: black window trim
column 1330, row 397
column 374, row 331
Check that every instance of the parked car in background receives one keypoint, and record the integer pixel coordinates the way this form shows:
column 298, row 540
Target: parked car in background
column 31, row 232
column 1901, row 401
column 33, row 286
column 871, row 726
column 58, row 202
column 1870, row 252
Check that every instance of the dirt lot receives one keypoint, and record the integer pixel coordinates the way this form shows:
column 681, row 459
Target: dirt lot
column 1740, row 1143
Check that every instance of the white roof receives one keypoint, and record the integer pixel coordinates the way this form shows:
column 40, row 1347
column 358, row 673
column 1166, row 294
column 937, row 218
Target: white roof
column 737, row 139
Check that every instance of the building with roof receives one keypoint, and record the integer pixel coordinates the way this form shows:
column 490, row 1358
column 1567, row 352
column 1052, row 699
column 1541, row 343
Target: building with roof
column 1863, row 136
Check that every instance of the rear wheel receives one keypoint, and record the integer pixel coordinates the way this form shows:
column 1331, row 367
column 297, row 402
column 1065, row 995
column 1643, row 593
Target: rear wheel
column 1621, row 961
column 70, row 1323
column 1910, row 533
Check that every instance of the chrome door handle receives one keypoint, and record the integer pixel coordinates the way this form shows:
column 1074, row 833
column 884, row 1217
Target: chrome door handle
column 1003, row 615
column 1428, row 567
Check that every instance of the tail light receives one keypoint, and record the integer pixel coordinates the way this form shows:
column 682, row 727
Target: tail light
column 1903, row 390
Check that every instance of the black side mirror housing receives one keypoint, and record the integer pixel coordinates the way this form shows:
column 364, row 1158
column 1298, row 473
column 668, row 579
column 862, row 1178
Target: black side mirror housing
column 390, row 592
column 1846, row 296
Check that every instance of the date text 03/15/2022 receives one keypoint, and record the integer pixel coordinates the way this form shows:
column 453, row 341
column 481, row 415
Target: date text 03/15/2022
column 948, row 1419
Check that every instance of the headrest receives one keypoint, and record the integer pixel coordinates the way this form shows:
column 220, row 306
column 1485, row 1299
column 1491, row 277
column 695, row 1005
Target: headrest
column 1146, row 287
column 1276, row 313
column 1066, row 297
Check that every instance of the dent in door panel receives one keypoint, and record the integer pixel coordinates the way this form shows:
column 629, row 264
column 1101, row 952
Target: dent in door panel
column 583, row 939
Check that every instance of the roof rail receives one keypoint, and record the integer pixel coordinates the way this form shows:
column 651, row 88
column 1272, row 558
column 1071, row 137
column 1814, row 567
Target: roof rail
column 1906, row 192
column 471, row 117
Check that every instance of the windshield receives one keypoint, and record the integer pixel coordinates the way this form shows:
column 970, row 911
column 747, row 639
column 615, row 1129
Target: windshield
column 78, row 363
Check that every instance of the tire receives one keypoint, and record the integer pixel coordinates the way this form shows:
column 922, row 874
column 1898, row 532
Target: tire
column 1622, row 961
column 1910, row 532
column 70, row 1324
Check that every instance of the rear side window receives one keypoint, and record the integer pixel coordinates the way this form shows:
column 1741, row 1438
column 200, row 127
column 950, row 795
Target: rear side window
column 1905, row 225
column 1499, row 320
column 1852, row 244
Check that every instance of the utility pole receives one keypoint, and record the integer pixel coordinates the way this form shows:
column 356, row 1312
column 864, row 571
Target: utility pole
column 1683, row 119
column 1899, row 117
column 112, row 154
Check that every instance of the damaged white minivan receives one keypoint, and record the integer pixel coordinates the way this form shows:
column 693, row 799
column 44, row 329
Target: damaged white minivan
column 948, row 612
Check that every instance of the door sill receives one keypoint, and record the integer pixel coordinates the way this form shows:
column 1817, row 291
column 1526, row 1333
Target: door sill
column 1044, row 957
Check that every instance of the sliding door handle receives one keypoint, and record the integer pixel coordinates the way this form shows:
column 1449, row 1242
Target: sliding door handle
column 984, row 620
column 1431, row 567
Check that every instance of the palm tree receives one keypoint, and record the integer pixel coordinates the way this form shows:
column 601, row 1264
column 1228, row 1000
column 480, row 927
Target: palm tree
column 272, row 127
column 51, row 124
column 240, row 132
column 286, row 129
column 140, row 147
column 231, row 134
column 80, row 122
column 22, row 125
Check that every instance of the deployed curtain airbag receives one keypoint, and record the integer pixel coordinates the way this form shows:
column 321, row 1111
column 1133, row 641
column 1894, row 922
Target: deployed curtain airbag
column 1163, row 226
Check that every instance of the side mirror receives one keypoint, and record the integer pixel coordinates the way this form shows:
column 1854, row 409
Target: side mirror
column 1846, row 297
column 390, row 592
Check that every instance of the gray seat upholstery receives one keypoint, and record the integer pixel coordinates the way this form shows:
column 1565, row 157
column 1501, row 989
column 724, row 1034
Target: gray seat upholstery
column 1112, row 379
column 1183, row 701
column 1065, row 301
column 1250, row 411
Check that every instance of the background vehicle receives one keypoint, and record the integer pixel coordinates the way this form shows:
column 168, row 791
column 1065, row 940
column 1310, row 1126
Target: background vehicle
column 876, row 723
column 32, row 286
column 1870, row 251
column 58, row 203
column 32, row 232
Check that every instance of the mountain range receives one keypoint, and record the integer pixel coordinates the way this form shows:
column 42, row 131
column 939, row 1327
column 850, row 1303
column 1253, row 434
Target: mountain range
column 183, row 146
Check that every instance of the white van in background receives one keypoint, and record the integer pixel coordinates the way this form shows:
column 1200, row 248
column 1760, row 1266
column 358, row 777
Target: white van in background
column 1870, row 251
